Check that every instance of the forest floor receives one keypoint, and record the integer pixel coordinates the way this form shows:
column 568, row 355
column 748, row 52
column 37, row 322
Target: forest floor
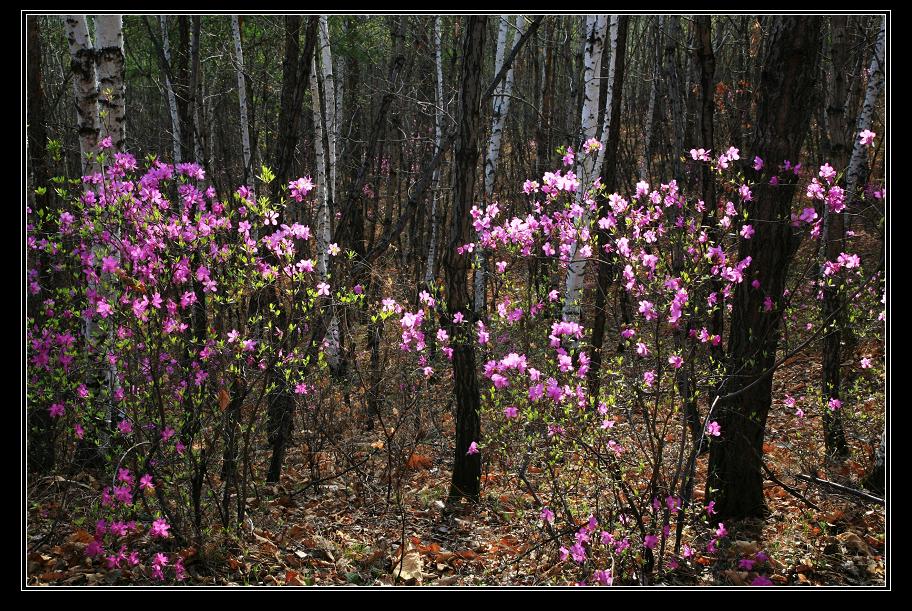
column 354, row 529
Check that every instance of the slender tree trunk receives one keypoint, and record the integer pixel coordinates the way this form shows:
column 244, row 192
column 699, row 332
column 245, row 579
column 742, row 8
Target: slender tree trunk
column 324, row 222
column 595, row 40
column 611, row 137
column 242, row 96
column 501, row 108
column 607, row 125
column 866, row 116
column 85, row 85
column 195, row 88
column 466, row 481
column 735, row 478
column 833, row 238
column 430, row 269
column 110, row 61
column 646, row 160
column 296, row 76
column 169, row 89
column 329, row 105
column 41, row 451
column 673, row 91
column 37, row 129
column 707, row 58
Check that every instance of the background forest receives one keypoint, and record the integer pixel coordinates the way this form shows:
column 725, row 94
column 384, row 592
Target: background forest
column 455, row 300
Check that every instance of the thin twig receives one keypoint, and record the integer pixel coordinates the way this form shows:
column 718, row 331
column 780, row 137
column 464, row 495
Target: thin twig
column 823, row 482
column 788, row 488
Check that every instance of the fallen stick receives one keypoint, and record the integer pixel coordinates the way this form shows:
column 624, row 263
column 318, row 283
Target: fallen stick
column 859, row 493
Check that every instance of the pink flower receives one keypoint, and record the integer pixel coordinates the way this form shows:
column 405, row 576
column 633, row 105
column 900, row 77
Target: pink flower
column 104, row 308
column 56, row 410
column 159, row 529
column 650, row 541
column 747, row 231
column 865, row 363
column 649, row 378
column 473, row 449
column 603, row 577
column 547, row 515
column 699, row 154
column 866, row 137
column 591, row 145
column 323, row 289
column 300, row 188
column 94, row 549
column 511, row 412
column 834, row 404
column 713, row 429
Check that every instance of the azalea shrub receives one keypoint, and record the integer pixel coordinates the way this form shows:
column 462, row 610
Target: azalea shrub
column 613, row 473
column 175, row 319
column 173, row 333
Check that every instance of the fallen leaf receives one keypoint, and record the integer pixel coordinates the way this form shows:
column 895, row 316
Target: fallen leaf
column 417, row 461
column 223, row 399
column 407, row 566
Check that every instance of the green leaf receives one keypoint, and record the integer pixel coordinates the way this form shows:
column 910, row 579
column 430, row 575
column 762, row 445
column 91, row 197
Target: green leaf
column 266, row 175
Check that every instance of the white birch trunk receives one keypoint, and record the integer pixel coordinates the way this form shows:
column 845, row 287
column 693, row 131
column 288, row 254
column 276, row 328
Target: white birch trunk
column 329, row 103
column 169, row 89
column 242, row 94
column 866, row 116
column 109, row 55
column 324, row 230
column 429, row 271
column 501, row 106
column 85, row 87
column 592, row 60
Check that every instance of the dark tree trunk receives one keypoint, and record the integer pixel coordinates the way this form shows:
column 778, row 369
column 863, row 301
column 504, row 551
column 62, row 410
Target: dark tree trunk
column 834, row 243
column 281, row 416
column 607, row 268
column 707, row 59
column 194, row 93
column 735, row 479
column 181, row 68
column 295, row 81
column 37, row 130
column 41, row 426
column 466, row 480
